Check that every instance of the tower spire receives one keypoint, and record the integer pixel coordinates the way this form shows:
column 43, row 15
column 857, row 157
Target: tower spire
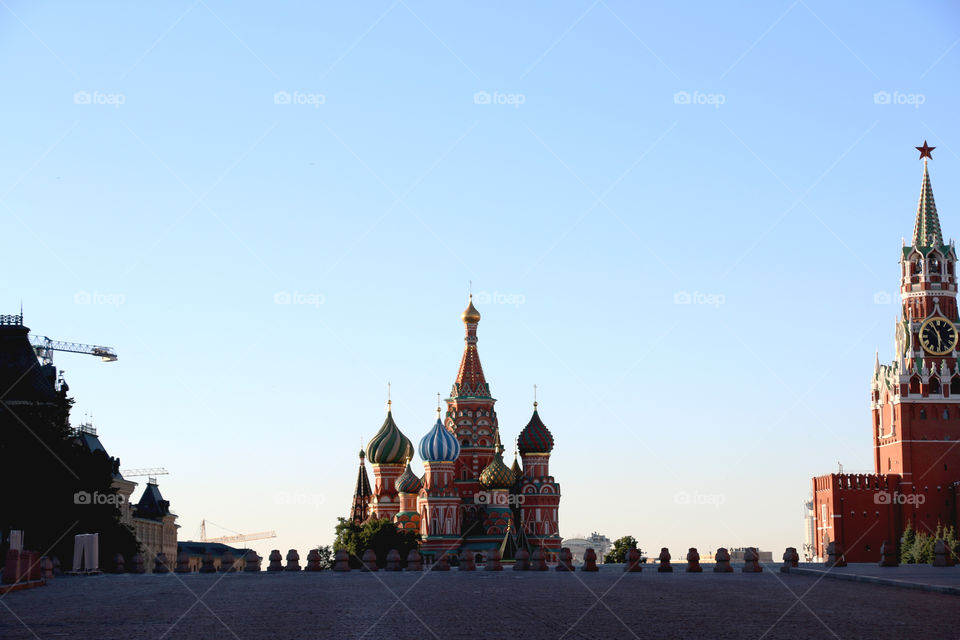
column 362, row 494
column 926, row 230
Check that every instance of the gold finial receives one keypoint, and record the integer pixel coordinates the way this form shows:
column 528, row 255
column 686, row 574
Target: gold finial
column 438, row 405
column 534, row 396
column 498, row 446
column 389, row 401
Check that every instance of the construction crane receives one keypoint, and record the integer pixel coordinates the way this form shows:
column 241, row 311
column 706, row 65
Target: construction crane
column 133, row 473
column 240, row 537
column 44, row 348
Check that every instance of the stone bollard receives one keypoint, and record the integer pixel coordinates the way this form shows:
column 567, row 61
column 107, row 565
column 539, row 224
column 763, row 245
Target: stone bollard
column 537, row 562
column 160, row 564
column 341, row 560
column 835, row 557
column 118, row 563
column 565, row 560
column 665, row 566
column 276, row 561
column 521, row 561
column 313, row 560
column 208, row 565
column 227, row 562
column 942, row 556
column 183, row 563
column 46, row 568
column 589, row 561
column 57, row 568
column 293, row 561
column 442, row 564
column 889, row 557
column 493, row 560
column 467, row 562
column 370, row 560
column 136, row 562
column 751, row 560
column 393, row 560
column 632, row 563
column 722, row 561
column 790, row 559
column 33, row 565
column 251, row 562
column 414, row 561
column 693, row 561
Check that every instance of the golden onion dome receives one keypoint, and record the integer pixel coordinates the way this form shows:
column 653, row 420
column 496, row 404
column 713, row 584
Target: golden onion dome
column 470, row 315
column 497, row 475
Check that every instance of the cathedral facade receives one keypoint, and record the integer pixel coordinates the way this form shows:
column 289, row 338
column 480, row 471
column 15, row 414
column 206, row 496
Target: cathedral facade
column 468, row 498
column 915, row 410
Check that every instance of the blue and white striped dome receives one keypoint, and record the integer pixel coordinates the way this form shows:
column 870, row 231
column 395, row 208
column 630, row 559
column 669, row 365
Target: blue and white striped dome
column 439, row 445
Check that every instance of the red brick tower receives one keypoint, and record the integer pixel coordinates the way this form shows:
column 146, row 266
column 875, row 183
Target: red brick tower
column 472, row 419
column 540, row 493
column 388, row 451
column 439, row 502
column 915, row 405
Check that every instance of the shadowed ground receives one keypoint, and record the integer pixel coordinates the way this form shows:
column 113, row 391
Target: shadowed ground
column 475, row 605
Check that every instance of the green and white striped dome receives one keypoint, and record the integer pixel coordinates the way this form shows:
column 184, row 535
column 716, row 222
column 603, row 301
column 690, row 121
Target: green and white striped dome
column 389, row 446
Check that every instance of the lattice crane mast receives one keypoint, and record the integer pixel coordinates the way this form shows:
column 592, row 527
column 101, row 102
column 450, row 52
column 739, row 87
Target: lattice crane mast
column 45, row 346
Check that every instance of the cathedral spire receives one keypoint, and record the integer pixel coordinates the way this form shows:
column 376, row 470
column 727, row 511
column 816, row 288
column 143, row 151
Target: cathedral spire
column 470, row 379
column 361, row 495
column 926, row 230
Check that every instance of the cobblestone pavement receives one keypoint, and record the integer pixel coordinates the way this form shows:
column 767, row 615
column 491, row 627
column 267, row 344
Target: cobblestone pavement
column 474, row 605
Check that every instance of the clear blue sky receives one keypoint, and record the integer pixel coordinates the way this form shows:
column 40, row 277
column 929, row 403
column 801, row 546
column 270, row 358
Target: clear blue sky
column 169, row 215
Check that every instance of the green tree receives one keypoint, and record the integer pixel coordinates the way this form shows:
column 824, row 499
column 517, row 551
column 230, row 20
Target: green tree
column 618, row 554
column 907, row 542
column 953, row 544
column 380, row 535
column 326, row 557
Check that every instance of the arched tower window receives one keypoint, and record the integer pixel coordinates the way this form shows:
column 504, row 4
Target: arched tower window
column 934, row 384
column 933, row 266
column 917, row 267
column 946, row 414
column 923, row 413
column 915, row 385
column 955, row 386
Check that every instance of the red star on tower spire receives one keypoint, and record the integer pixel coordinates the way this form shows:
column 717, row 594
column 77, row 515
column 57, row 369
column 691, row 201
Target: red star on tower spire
column 925, row 150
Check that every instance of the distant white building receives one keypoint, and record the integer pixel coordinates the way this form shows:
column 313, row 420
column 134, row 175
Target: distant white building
column 599, row 543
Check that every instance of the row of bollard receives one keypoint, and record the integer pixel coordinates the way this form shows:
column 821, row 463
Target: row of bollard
column 536, row 561
column 524, row 561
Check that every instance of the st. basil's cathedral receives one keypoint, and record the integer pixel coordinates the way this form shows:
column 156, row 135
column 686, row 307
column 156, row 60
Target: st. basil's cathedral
column 468, row 498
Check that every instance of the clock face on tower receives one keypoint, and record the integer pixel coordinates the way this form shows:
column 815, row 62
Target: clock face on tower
column 938, row 336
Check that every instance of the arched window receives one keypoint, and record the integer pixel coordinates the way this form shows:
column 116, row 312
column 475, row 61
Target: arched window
column 923, row 413
column 915, row 385
column 934, row 384
column 946, row 414
column 955, row 386
column 917, row 267
column 933, row 266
